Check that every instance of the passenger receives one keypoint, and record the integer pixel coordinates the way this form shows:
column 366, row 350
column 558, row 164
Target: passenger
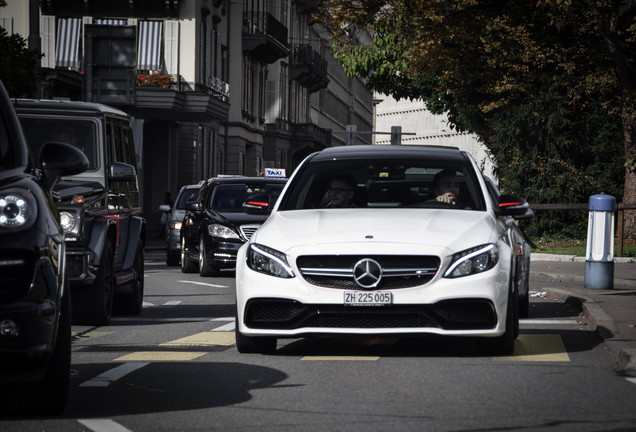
column 446, row 187
column 342, row 191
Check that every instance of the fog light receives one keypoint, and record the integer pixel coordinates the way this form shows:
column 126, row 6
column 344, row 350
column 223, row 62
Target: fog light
column 9, row 328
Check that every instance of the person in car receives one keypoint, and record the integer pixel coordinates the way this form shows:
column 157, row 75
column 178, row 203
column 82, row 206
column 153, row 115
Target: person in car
column 341, row 191
column 446, row 187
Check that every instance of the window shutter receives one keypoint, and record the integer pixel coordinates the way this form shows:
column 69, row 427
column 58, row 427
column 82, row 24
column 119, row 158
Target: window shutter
column 47, row 40
column 171, row 47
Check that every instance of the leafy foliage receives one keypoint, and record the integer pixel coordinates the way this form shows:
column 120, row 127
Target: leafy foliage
column 17, row 65
column 547, row 85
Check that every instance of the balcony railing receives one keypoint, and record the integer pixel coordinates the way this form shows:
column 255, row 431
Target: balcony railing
column 262, row 23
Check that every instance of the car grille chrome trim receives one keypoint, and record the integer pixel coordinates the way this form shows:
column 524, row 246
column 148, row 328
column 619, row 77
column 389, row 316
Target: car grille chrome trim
column 398, row 271
column 248, row 231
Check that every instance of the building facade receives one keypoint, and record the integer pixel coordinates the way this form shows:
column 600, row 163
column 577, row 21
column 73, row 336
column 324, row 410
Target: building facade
column 421, row 127
column 215, row 86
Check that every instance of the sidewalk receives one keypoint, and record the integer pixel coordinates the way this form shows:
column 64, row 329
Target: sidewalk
column 611, row 312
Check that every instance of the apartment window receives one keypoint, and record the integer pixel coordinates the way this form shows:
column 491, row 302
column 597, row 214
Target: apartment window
column 284, row 92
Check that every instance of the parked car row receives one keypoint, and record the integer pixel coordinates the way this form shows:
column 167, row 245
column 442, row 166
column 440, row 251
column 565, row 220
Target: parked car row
column 71, row 239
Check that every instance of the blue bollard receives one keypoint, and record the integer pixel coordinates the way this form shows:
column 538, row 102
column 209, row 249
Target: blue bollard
column 599, row 255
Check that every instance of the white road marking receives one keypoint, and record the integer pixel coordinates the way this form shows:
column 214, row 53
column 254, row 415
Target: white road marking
column 172, row 303
column 103, row 425
column 223, row 319
column 225, row 328
column 184, row 319
column 203, row 283
column 535, row 321
column 631, row 380
column 106, row 378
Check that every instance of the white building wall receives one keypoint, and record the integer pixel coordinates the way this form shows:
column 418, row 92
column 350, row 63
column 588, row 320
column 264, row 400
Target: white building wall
column 426, row 129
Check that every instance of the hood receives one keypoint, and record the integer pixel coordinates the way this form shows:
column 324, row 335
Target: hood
column 437, row 229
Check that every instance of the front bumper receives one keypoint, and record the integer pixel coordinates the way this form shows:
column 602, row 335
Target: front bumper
column 221, row 253
column 80, row 268
column 469, row 306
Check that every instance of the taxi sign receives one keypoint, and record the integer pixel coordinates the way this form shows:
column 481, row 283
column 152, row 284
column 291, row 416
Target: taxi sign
column 275, row 172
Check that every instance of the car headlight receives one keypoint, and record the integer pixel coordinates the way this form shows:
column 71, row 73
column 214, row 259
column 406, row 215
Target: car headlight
column 221, row 231
column 18, row 209
column 71, row 224
column 175, row 226
column 266, row 260
column 472, row 261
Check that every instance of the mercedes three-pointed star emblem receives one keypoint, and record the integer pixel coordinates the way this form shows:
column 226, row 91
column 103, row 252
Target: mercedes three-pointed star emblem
column 367, row 273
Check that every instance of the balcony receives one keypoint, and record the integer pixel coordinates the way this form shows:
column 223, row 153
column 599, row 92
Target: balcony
column 264, row 37
column 304, row 134
column 308, row 68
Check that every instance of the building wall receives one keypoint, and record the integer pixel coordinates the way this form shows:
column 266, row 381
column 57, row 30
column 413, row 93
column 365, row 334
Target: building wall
column 427, row 129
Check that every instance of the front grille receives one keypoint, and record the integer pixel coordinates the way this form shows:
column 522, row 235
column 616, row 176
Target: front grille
column 248, row 230
column 465, row 314
column 17, row 268
column 398, row 271
column 74, row 266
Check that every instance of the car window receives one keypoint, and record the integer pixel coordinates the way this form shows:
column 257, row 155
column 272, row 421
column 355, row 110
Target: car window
column 384, row 184
column 186, row 196
column 231, row 196
column 7, row 157
column 81, row 133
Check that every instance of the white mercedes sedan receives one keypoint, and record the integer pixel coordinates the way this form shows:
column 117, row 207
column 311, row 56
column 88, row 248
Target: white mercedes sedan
column 381, row 240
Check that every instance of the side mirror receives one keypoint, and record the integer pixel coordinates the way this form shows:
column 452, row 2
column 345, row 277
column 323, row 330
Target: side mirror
column 120, row 171
column 59, row 159
column 164, row 208
column 193, row 206
column 515, row 206
column 257, row 205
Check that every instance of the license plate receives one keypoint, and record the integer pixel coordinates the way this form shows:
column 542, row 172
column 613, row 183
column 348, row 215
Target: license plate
column 367, row 298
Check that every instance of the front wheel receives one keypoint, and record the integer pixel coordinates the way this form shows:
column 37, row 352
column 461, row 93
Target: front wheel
column 250, row 345
column 94, row 305
column 187, row 264
column 205, row 268
column 132, row 303
column 505, row 344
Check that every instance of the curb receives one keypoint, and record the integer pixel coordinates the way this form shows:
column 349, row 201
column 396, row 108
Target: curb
column 573, row 258
column 602, row 323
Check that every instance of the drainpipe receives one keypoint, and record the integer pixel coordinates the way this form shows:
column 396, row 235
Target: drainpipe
column 34, row 41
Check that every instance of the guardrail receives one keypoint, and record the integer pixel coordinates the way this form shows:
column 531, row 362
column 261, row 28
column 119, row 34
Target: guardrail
column 620, row 219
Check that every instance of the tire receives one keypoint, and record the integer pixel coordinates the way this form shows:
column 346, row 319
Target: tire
column 94, row 305
column 132, row 303
column 205, row 268
column 524, row 301
column 251, row 345
column 505, row 344
column 172, row 258
column 187, row 264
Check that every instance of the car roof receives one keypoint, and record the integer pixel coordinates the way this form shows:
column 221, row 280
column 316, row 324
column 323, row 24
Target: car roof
column 241, row 179
column 44, row 105
column 390, row 152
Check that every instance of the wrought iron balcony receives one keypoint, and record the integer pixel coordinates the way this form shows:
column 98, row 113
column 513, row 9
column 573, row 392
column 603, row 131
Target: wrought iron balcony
column 264, row 37
column 308, row 67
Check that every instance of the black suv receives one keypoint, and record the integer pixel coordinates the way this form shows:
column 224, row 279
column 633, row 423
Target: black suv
column 35, row 323
column 215, row 225
column 100, row 208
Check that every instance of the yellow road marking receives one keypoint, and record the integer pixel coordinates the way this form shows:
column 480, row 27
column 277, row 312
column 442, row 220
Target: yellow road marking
column 159, row 356
column 538, row 348
column 204, row 339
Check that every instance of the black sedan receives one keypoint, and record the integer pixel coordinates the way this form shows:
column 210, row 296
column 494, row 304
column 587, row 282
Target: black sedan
column 215, row 225
column 35, row 324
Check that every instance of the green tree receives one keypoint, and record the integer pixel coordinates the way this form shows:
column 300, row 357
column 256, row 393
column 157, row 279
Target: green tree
column 17, row 65
column 548, row 67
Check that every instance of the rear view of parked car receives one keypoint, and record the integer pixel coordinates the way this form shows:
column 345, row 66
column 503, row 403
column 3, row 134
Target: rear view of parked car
column 174, row 218
column 100, row 208
column 35, row 321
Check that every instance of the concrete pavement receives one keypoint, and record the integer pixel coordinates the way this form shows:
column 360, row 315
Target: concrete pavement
column 611, row 312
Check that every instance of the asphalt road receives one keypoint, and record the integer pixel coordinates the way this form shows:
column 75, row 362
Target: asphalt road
column 175, row 368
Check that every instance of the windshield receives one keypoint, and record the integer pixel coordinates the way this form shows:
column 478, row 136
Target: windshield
column 231, row 196
column 186, row 196
column 7, row 156
column 77, row 132
column 370, row 183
